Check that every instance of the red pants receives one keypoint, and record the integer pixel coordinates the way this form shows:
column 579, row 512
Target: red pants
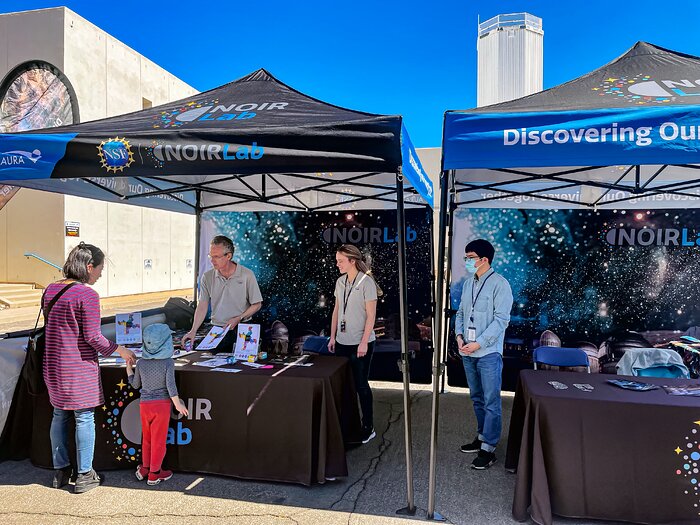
column 155, row 417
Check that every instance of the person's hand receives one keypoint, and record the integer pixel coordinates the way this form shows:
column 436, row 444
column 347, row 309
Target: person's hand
column 189, row 336
column 331, row 345
column 129, row 369
column 362, row 350
column 233, row 322
column 180, row 407
column 469, row 348
column 127, row 355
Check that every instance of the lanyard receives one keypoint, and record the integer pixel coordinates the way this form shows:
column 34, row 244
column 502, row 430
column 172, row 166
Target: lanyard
column 474, row 299
column 352, row 285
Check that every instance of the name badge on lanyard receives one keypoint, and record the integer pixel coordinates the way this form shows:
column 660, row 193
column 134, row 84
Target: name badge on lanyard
column 471, row 329
column 346, row 298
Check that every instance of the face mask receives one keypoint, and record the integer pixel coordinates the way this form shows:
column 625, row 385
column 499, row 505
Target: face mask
column 470, row 265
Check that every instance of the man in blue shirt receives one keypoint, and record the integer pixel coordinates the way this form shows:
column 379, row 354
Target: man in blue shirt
column 480, row 325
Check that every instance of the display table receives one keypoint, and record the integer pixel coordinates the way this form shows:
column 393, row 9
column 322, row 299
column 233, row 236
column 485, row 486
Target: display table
column 609, row 454
column 259, row 424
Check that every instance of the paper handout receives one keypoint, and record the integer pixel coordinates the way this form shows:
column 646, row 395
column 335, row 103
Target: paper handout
column 213, row 338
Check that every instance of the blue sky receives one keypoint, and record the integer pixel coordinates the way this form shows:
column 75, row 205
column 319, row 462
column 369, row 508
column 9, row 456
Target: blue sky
column 412, row 58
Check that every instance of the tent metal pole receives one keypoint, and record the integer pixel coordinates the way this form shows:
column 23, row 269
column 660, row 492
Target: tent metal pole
column 197, row 239
column 438, row 366
column 410, row 509
column 448, row 272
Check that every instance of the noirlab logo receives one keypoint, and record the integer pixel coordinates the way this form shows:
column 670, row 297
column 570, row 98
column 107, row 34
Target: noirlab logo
column 666, row 88
column 653, row 237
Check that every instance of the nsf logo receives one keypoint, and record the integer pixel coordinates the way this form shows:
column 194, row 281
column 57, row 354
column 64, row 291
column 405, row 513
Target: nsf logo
column 115, row 154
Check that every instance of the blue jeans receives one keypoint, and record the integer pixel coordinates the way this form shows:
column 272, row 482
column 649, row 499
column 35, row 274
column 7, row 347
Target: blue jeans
column 484, row 377
column 84, row 438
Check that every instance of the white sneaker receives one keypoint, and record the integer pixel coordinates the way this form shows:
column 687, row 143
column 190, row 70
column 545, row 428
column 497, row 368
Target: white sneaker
column 368, row 436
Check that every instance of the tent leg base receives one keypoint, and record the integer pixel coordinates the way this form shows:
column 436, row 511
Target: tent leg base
column 437, row 517
column 406, row 511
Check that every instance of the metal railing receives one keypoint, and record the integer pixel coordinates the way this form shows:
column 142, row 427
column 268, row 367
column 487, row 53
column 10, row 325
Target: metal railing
column 43, row 260
column 510, row 20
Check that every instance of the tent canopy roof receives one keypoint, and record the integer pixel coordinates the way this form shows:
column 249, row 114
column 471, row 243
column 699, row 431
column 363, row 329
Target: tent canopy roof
column 254, row 143
column 629, row 128
column 652, row 73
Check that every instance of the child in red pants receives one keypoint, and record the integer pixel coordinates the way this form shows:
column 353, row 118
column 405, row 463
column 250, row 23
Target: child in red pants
column 155, row 376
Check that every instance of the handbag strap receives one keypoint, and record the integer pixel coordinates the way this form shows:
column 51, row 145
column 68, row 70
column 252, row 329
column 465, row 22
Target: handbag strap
column 48, row 307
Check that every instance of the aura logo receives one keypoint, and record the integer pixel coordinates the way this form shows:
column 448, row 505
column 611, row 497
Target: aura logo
column 643, row 89
column 115, row 154
column 19, row 158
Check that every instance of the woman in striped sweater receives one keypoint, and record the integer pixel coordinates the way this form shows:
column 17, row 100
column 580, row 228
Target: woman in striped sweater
column 71, row 369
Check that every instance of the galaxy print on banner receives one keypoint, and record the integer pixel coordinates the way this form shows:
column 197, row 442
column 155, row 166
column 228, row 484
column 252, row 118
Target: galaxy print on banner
column 688, row 453
column 585, row 273
column 293, row 257
column 121, row 418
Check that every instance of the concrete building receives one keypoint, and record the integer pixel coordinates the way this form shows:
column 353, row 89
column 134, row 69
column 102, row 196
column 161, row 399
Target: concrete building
column 510, row 63
column 81, row 73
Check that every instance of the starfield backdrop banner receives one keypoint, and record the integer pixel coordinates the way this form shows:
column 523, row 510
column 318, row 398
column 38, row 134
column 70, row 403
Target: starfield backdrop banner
column 585, row 274
column 293, row 258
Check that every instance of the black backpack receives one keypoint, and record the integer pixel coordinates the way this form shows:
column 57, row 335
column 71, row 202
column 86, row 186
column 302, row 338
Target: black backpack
column 179, row 313
column 33, row 368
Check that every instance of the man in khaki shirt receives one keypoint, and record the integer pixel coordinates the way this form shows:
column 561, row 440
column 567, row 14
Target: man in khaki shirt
column 232, row 290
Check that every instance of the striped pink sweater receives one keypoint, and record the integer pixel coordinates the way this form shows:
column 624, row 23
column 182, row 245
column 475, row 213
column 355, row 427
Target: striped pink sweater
column 73, row 340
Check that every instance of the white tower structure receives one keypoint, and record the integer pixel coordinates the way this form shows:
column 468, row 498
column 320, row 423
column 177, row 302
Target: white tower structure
column 509, row 48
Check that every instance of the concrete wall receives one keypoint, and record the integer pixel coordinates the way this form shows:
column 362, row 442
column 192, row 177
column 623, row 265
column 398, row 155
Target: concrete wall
column 34, row 223
column 129, row 236
column 93, row 219
column 3, row 243
column 109, row 78
column 31, row 35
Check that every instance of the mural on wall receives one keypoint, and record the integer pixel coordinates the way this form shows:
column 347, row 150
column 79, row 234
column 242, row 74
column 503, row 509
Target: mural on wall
column 36, row 96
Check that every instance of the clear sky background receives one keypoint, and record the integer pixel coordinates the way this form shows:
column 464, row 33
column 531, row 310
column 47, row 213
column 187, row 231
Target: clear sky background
column 414, row 58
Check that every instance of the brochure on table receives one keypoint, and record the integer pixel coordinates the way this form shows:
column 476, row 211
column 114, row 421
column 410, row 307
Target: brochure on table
column 247, row 342
column 213, row 338
column 128, row 329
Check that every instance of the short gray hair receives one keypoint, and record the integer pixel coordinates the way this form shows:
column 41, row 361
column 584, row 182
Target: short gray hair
column 222, row 240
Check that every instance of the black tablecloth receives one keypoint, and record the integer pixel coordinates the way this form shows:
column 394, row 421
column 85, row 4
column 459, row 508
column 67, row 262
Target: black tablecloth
column 256, row 424
column 607, row 454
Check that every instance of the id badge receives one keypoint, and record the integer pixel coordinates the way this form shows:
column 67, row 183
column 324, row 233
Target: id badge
column 471, row 334
column 342, row 326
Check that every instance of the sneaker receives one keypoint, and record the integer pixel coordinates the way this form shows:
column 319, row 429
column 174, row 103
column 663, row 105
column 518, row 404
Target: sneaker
column 483, row 460
column 156, row 477
column 141, row 473
column 87, row 481
column 368, row 435
column 471, row 448
column 62, row 477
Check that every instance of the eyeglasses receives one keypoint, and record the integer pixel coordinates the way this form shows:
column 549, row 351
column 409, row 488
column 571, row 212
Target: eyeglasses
column 475, row 258
column 217, row 257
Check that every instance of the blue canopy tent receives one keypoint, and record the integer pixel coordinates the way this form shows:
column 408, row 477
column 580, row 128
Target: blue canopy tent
column 627, row 129
column 254, row 144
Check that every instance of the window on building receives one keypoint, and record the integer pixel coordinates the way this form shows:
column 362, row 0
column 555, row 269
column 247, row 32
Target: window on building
column 36, row 95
